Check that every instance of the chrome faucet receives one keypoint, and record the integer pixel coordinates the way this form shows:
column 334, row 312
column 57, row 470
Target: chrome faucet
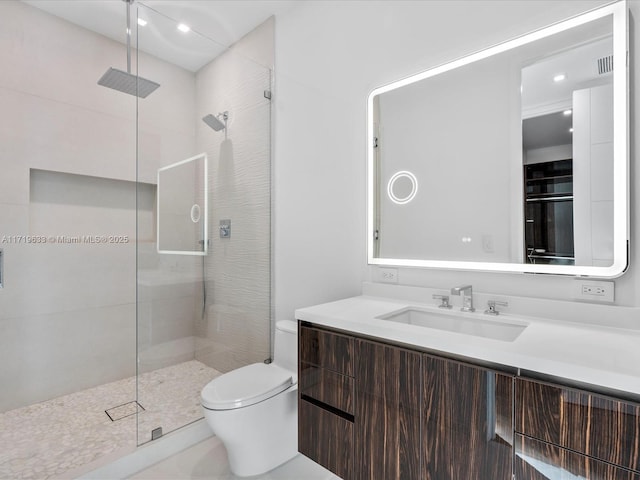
column 444, row 301
column 466, row 292
column 492, row 307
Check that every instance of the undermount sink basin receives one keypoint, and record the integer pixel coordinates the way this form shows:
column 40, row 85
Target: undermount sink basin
column 475, row 324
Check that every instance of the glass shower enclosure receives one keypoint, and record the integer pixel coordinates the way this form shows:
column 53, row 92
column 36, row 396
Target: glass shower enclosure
column 135, row 246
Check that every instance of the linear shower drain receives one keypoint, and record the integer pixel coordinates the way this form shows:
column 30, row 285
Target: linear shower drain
column 124, row 410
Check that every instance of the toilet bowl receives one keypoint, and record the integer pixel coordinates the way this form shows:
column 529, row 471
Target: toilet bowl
column 253, row 410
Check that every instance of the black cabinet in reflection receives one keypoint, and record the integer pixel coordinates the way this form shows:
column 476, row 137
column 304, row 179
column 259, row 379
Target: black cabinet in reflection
column 548, row 212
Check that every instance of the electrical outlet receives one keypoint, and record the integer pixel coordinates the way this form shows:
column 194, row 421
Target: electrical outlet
column 388, row 275
column 594, row 291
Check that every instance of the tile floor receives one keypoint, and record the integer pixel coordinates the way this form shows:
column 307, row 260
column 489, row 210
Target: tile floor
column 45, row 440
column 208, row 460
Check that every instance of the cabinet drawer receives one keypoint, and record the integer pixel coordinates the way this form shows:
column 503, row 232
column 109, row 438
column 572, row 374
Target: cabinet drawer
column 326, row 349
column 536, row 460
column 594, row 425
column 326, row 386
column 325, row 438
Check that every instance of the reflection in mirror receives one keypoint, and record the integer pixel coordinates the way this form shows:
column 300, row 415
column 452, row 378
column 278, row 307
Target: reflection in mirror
column 520, row 164
column 567, row 137
column 182, row 207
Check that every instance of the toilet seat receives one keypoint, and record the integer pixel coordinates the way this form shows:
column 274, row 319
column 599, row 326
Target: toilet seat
column 246, row 386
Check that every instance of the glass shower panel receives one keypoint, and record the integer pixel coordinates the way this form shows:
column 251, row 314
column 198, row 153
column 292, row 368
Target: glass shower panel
column 204, row 294
column 67, row 236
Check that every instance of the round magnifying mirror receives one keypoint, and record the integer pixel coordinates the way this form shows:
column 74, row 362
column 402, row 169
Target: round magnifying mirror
column 402, row 187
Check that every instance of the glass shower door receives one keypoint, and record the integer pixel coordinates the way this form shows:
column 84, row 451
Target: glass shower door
column 204, row 217
column 67, row 242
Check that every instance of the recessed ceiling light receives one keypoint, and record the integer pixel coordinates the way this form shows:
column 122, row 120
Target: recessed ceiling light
column 571, row 130
column 568, row 112
column 560, row 77
column 142, row 22
column 183, row 27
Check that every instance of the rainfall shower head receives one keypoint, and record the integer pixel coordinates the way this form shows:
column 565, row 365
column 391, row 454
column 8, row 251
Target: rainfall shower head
column 127, row 83
column 124, row 81
column 215, row 122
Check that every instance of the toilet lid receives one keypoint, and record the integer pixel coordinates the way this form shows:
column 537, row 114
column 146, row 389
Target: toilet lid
column 245, row 386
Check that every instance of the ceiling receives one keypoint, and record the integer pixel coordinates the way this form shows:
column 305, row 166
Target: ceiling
column 580, row 66
column 541, row 94
column 215, row 24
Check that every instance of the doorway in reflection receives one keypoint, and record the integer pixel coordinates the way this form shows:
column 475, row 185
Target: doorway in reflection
column 549, row 212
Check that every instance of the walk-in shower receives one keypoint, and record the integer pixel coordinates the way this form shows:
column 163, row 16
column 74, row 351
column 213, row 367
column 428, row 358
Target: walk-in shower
column 107, row 342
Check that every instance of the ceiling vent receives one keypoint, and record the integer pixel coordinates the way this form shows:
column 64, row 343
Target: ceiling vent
column 605, row 65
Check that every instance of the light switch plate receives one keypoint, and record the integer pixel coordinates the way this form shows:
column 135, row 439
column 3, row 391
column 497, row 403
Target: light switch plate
column 594, row 291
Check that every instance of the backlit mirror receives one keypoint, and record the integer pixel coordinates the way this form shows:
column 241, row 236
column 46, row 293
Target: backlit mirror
column 182, row 207
column 512, row 159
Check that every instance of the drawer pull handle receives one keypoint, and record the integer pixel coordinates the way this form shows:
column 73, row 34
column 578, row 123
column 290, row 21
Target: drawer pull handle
column 327, row 407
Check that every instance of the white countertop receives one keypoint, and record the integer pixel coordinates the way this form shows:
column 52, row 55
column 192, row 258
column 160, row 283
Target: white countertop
column 606, row 357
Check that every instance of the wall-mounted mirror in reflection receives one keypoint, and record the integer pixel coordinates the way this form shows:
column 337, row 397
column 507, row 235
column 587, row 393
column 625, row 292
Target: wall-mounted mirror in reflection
column 511, row 159
column 183, row 207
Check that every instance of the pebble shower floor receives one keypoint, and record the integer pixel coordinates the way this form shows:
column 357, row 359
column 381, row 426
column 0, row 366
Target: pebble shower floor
column 47, row 439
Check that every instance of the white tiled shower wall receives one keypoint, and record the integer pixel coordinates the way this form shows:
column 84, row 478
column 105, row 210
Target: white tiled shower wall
column 67, row 312
column 238, row 269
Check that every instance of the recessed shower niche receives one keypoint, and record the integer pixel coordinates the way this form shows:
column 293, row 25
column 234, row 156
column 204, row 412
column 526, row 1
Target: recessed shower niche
column 68, row 205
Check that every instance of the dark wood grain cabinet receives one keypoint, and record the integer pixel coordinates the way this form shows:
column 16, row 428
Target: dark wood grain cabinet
column 388, row 409
column 576, row 432
column 467, row 422
column 325, row 349
column 537, row 460
column 326, row 399
column 369, row 410
column 326, row 438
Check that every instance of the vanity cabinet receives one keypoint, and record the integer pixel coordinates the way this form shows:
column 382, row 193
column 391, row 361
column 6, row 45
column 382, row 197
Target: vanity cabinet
column 326, row 399
column 369, row 410
column 467, row 421
column 574, row 432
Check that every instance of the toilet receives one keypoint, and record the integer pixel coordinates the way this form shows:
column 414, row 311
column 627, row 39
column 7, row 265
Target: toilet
column 253, row 410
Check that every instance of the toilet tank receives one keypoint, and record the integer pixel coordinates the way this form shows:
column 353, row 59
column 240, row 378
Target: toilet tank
column 285, row 351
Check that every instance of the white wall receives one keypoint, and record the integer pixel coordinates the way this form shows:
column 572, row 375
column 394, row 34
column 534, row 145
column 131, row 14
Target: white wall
column 329, row 56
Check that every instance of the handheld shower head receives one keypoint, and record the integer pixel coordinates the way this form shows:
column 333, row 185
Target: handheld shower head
column 215, row 122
